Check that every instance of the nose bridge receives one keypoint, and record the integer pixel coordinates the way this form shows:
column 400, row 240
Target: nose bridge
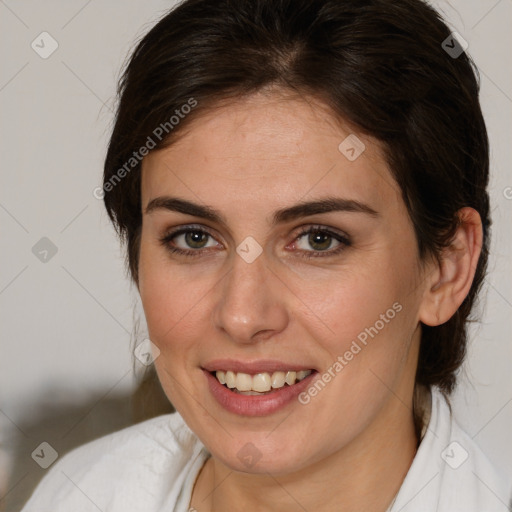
column 250, row 300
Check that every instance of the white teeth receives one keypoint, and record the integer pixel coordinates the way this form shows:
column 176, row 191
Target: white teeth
column 278, row 380
column 243, row 382
column 290, row 378
column 261, row 382
column 230, row 379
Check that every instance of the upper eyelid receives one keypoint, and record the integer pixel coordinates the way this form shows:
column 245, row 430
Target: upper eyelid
column 302, row 230
column 322, row 228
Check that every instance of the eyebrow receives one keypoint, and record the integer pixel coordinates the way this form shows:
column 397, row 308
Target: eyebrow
column 302, row 209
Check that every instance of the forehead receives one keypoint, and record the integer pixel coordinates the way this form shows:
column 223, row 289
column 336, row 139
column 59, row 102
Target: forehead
column 269, row 146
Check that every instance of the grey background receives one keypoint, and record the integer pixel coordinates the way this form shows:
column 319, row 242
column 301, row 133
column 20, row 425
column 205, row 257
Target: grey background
column 66, row 324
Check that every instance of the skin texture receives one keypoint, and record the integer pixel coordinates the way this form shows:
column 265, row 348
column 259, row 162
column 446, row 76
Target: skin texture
column 353, row 443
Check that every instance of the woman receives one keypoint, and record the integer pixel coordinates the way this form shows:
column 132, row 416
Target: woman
column 301, row 186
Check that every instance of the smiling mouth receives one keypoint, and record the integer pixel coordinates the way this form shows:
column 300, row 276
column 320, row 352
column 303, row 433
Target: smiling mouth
column 260, row 383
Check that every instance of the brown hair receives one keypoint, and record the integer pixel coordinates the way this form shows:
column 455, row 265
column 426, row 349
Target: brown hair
column 381, row 65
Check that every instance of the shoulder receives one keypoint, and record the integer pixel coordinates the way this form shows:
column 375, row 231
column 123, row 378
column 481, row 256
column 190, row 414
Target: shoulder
column 469, row 480
column 128, row 469
column 450, row 473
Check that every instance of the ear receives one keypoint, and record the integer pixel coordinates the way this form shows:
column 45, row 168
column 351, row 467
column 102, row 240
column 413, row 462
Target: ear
column 449, row 282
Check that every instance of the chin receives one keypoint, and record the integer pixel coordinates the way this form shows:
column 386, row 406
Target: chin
column 260, row 453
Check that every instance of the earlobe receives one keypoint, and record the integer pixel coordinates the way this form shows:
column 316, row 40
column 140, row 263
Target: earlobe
column 449, row 282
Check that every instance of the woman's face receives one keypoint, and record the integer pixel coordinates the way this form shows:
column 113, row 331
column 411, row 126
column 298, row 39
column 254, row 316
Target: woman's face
column 256, row 292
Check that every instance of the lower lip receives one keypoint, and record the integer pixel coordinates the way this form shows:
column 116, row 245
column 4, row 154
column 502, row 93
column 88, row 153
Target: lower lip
column 253, row 405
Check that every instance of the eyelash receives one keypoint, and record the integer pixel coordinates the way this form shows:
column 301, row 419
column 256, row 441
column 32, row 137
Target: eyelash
column 342, row 239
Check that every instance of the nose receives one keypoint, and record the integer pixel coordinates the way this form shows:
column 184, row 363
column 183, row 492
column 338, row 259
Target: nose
column 250, row 303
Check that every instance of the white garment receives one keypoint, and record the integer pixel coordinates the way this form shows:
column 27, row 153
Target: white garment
column 152, row 467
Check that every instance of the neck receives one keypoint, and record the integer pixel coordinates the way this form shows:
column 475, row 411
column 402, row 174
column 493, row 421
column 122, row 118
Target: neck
column 365, row 475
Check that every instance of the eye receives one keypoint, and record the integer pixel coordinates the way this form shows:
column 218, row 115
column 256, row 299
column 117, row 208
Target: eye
column 320, row 241
column 193, row 239
column 188, row 241
column 313, row 241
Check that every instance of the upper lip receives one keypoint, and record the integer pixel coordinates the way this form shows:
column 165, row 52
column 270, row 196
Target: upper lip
column 253, row 367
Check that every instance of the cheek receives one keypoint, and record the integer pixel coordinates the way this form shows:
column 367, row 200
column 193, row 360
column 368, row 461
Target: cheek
column 371, row 316
column 354, row 300
column 170, row 300
column 174, row 312
column 365, row 353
